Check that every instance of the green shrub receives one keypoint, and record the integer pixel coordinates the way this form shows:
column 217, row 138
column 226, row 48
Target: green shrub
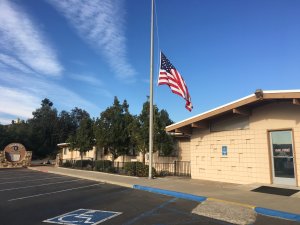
column 104, row 166
column 86, row 163
column 138, row 169
column 67, row 163
column 163, row 173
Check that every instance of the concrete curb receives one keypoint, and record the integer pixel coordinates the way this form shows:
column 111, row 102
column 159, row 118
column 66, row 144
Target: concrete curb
column 171, row 193
column 259, row 210
column 86, row 178
column 97, row 172
column 277, row 214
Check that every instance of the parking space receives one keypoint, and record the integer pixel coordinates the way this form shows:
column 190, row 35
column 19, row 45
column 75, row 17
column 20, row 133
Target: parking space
column 30, row 197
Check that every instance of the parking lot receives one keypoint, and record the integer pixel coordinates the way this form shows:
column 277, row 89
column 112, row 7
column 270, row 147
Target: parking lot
column 33, row 197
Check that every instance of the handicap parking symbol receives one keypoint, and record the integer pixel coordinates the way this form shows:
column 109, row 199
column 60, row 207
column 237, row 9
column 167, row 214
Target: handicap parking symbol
column 83, row 217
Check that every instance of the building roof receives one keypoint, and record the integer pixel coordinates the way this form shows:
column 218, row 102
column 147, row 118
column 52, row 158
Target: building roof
column 241, row 106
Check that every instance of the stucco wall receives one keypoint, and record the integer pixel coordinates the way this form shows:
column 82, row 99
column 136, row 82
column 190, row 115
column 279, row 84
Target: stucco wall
column 184, row 152
column 67, row 154
column 75, row 155
column 248, row 157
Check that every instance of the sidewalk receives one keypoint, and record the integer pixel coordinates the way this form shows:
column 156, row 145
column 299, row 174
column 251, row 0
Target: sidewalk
column 217, row 191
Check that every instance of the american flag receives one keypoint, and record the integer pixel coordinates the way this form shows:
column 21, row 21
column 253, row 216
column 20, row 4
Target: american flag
column 170, row 76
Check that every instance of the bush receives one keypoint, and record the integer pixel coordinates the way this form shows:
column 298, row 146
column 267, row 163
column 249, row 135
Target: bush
column 86, row 163
column 67, row 163
column 104, row 166
column 138, row 169
column 163, row 173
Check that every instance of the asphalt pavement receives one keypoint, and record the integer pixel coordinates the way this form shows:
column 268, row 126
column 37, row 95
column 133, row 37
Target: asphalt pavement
column 53, row 195
column 31, row 197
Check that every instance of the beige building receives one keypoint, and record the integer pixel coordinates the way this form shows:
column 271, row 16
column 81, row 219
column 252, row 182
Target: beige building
column 255, row 139
column 68, row 154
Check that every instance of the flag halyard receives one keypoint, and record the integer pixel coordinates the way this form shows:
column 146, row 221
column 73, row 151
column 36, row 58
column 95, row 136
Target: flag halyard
column 168, row 75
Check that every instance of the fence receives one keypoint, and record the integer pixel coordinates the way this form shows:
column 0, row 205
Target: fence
column 177, row 168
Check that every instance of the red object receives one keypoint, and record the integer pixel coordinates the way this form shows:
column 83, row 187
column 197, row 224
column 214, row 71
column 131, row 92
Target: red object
column 170, row 76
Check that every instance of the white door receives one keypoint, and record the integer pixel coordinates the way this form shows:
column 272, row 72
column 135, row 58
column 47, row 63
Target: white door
column 283, row 163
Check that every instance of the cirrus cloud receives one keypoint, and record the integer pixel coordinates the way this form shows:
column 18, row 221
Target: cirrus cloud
column 21, row 38
column 101, row 23
column 28, row 64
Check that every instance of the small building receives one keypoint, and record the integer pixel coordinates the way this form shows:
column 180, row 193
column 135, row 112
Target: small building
column 66, row 153
column 255, row 139
column 178, row 163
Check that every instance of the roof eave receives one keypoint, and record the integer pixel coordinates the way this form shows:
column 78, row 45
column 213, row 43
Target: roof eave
column 265, row 95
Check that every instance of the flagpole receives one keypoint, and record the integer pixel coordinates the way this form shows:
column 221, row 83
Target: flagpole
column 151, row 93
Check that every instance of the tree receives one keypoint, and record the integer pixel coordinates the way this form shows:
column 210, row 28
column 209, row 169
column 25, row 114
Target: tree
column 165, row 142
column 112, row 129
column 43, row 128
column 83, row 139
column 66, row 126
column 19, row 132
column 3, row 137
column 85, row 136
column 77, row 115
column 140, row 131
column 68, row 123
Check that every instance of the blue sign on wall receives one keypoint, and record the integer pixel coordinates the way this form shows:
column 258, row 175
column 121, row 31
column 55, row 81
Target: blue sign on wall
column 224, row 150
column 83, row 217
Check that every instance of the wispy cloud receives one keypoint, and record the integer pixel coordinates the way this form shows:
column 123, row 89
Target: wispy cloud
column 24, row 41
column 27, row 65
column 22, row 94
column 87, row 78
column 101, row 23
column 11, row 62
column 16, row 102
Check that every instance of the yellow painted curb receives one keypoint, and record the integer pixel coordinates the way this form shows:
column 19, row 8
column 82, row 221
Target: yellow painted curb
column 234, row 203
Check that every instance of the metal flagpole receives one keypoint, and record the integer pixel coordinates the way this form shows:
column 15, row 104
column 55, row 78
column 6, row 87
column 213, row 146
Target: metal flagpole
column 151, row 93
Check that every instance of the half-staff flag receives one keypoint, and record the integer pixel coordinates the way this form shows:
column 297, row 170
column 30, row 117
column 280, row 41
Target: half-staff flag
column 170, row 76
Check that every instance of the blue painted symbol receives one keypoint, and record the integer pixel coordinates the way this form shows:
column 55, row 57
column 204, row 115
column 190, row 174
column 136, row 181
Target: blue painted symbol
column 224, row 150
column 83, row 217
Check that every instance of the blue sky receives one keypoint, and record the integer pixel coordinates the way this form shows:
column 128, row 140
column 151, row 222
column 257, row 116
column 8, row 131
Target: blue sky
column 83, row 53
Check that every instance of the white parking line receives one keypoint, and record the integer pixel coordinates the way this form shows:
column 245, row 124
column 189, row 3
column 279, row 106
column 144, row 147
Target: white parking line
column 19, row 176
column 39, row 185
column 20, row 181
column 8, row 171
column 50, row 193
column 2, row 174
column 5, row 175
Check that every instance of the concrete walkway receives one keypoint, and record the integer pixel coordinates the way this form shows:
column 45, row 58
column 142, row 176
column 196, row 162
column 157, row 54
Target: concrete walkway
column 234, row 194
